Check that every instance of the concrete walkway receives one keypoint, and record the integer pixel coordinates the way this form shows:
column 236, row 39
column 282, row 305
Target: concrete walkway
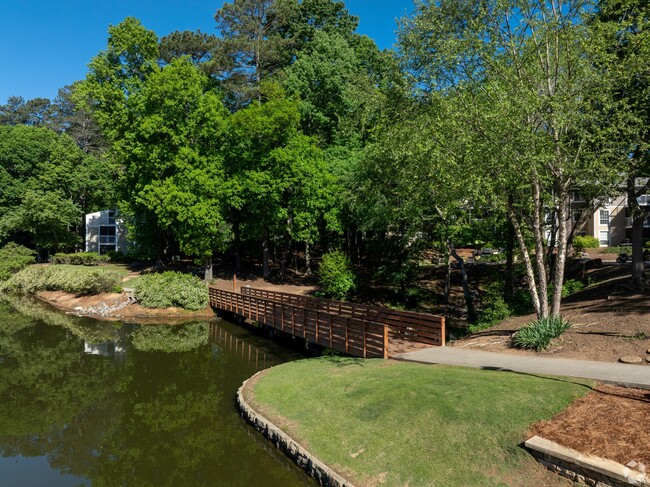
column 624, row 374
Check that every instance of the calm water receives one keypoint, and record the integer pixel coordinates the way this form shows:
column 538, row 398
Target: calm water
column 85, row 402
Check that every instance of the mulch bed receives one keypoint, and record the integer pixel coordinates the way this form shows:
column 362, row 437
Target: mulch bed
column 609, row 422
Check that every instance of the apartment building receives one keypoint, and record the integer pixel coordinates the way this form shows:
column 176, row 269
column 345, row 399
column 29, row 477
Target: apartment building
column 611, row 223
column 105, row 232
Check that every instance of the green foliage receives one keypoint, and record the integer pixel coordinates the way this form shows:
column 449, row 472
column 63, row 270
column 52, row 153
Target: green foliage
column 13, row 258
column 495, row 309
column 647, row 244
column 572, row 286
column 80, row 258
column 81, row 280
column 585, row 242
column 537, row 335
column 335, row 275
column 171, row 289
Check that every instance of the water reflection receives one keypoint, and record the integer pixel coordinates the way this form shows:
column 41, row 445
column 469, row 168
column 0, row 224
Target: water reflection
column 109, row 404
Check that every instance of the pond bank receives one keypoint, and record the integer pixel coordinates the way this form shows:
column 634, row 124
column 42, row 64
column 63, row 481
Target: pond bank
column 118, row 306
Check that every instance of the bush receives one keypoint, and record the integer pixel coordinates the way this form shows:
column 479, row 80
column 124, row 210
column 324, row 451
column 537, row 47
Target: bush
column 335, row 276
column 646, row 244
column 171, row 289
column 585, row 242
column 14, row 257
column 538, row 334
column 79, row 258
column 52, row 278
column 572, row 286
column 495, row 309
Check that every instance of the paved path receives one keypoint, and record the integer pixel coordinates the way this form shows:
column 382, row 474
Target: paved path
column 630, row 375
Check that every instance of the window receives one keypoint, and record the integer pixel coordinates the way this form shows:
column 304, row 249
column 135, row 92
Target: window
column 576, row 216
column 604, row 217
column 111, row 217
column 577, row 197
column 107, row 235
column 644, row 199
column 603, row 237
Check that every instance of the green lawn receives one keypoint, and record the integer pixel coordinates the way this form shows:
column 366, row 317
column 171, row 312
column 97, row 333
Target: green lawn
column 399, row 424
column 121, row 269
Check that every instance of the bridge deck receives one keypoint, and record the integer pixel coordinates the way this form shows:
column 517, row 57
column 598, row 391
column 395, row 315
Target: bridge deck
column 358, row 330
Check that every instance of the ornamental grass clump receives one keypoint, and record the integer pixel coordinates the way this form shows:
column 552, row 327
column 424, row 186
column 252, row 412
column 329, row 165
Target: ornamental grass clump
column 171, row 289
column 70, row 280
column 80, row 258
column 538, row 334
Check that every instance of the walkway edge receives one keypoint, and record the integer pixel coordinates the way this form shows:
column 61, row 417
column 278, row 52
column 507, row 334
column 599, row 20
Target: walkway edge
column 315, row 468
column 567, row 461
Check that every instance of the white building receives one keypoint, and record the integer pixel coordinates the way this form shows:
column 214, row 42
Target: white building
column 105, row 232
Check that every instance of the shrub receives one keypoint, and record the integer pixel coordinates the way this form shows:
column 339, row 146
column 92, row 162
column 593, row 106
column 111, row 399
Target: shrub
column 495, row 309
column 14, row 257
column 53, row 278
column 538, row 334
column 79, row 258
column 585, row 242
column 572, row 286
column 171, row 289
column 646, row 244
column 335, row 276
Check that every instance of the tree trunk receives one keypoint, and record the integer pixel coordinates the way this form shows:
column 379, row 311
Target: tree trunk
column 638, row 218
column 307, row 260
column 560, row 259
column 285, row 255
column 530, row 272
column 471, row 315
column 447, row 292
column 207, row 269
column 538, row 236
column 265, row 256
column 509, row 288
column 237, row 245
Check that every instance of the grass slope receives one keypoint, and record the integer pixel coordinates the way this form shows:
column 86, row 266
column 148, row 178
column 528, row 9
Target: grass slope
column 405, row 424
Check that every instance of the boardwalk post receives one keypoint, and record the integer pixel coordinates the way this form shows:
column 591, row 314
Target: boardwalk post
column 365, row 330
column 385, row 341
column 234, row 283
column 347, row 340
column 442, row 331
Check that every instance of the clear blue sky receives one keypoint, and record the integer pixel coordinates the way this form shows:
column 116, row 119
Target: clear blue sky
column 47, row 44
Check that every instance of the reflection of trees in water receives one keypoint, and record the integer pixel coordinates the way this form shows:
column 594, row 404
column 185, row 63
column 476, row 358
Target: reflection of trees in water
column 90, row 330
column 155, row 418
column 170, row 338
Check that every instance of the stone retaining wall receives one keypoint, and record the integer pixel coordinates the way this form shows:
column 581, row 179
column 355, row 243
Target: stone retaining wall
column 324, row 475
column 581, row 468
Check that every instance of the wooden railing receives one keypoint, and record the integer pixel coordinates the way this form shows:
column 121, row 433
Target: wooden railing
column 351, row 335
column 408, row 325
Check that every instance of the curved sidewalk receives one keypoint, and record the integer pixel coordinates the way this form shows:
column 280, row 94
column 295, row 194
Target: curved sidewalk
column 623, row 374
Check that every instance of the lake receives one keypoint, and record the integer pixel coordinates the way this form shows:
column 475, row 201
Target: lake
column 86, row 402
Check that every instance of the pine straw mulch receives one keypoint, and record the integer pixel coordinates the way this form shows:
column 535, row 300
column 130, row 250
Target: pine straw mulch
column 610, row 422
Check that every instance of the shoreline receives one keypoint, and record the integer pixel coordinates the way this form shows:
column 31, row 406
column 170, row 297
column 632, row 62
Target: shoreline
column 118, row 307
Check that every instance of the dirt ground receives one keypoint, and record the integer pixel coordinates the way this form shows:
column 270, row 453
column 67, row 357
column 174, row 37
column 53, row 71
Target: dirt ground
column 131, row 312
column 609, row 321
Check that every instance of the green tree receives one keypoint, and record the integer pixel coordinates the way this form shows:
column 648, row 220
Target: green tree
column 619, row 42
column 251, row 46
column 173, row 163
column 515, row 70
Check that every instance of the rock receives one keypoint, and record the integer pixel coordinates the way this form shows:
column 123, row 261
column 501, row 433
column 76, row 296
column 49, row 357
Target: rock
column 641, row 467
column 647, row 359
column 647, row 351
column 631, row 359
column 631, row 464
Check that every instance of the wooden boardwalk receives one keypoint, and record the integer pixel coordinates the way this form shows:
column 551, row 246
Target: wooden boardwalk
column 358, row 330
